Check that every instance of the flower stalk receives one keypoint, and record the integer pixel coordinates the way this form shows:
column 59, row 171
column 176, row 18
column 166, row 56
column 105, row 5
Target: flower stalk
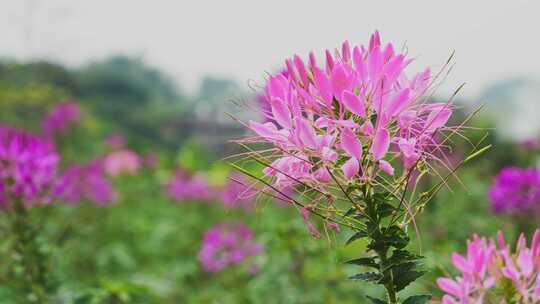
column 27, row 253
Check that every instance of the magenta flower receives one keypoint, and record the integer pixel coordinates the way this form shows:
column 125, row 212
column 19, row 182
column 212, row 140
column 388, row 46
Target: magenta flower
column 122, row 161
column 351, row 119
column 227, row 244
column 27, row 167
column 60, row 118
column 115, row 141
column 238, row 193
column 516, row 191
column 186, row 187
column 86, row 183
column 487, row 270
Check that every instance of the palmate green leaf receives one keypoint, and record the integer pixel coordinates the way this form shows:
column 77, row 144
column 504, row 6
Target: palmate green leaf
column 368, row 262
column 366, row 276
column 419, row 299
column 376, row 301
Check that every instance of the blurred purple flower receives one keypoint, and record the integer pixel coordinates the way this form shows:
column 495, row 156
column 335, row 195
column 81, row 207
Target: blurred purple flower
column 27, row 166
column 186, row 187
column 122, row 161
column 150, row 160
column 60, row 118
column 237, row 193
column 85, row 182
column 516, row 190
column 115, row 141
column 227, row 244
column 531, row 144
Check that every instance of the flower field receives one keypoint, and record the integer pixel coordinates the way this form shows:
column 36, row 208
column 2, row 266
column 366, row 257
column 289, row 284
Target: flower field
column 343, row 178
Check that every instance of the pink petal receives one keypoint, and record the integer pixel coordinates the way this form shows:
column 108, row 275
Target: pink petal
column 305, row 133
column 368, row 128
column 438, row 118
column 312, row 60
column 374, row 40
column 461, row 263
column 399, row 102
column 386, row 167
column 301, row 68
column 346, row 51
column 341, row 80
column 322, row 175
column 525, row 262
column 329, row 61
column 281, row 112
column 266, row 130
column 277, row 87
column 350, row 168
column 323, row 85
column 449, row 286
column 381, row 143
column 375, row 64
column 353, row 103
column 359, row 64
column 351, row 144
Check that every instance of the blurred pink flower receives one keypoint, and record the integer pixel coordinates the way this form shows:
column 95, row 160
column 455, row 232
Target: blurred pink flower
column 227, row 244
column 60, row 118
column 237, row 193
column 28, row 167
column 186, row 187
column 516, row 191
column 121, row 161
column 115, row 141
column 85, row 182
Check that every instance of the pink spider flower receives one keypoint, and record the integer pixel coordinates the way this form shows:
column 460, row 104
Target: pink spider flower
column 28, row 167
column 122, row 161
column 185, row 187
column 115, row 141
column 350, row 119
column 487, row 270
column 227, row 244
column 238, row 193
column 60, row 118
column 516, row 191
column 86, row 182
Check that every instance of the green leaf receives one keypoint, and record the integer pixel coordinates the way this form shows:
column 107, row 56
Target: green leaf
column 385, row 209
column 419, row 299
column 356, row 236
column 396, row 237
column 376, row 301
column 400, row 257
column 368, row 262
column 366, row 276
column 405, row 274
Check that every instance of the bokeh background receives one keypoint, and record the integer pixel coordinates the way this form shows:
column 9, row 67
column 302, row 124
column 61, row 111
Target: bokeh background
column 156, row 78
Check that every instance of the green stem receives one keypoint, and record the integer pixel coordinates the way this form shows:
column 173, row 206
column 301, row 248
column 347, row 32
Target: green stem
column 28, row 255
column 390, row 292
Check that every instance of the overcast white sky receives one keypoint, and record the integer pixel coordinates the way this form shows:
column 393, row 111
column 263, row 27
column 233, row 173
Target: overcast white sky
column 242, row 39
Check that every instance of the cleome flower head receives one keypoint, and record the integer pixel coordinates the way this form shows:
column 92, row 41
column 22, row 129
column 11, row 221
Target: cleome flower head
column 516, row 191
column 185, row 187
column 27, row 167
column 492, row 273
column 86, row 182
column 227, row 244
column 350, row 119
column 60, row 118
